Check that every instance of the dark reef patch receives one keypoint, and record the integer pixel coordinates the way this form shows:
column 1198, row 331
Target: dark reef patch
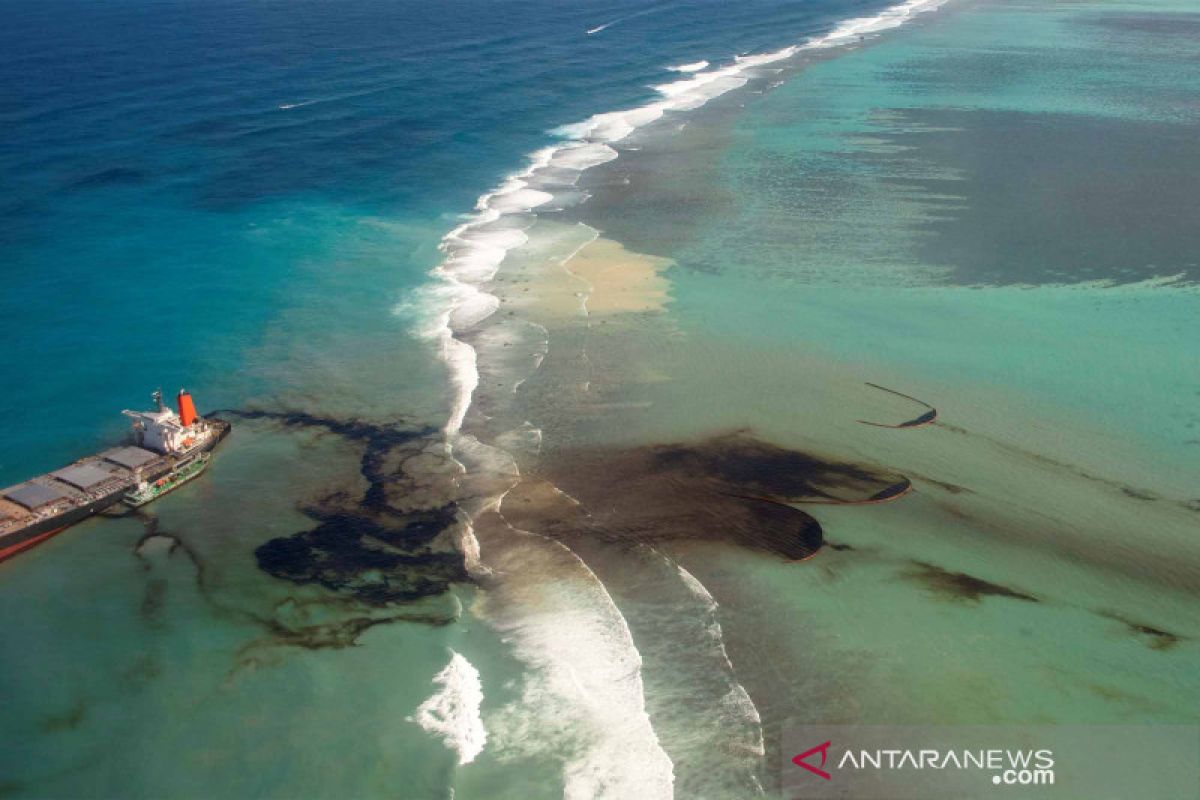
column 142, row 670
column 69, row 720
column 1156, row 25
column 1093, row 198
column 961, row 586
column 155, row 597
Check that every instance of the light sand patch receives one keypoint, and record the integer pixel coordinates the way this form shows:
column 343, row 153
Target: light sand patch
column 619, row 280
column 570, row 272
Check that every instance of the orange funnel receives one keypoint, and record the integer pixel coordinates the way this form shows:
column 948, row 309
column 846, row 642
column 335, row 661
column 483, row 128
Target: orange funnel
column 187, row 409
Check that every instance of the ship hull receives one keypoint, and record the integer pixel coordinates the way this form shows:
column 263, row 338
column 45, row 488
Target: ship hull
column 8, row 551
column 35, row 533
column 139, row 499
column 43, row 529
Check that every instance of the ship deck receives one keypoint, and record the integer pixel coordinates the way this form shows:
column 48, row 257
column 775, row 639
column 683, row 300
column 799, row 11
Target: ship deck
column 95, row 481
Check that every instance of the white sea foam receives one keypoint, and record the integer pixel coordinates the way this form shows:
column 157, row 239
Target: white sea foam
column 518, row 199
column 470, row 313
column 584, row 155
column 452, row 712
column 891, row 17
column 694, row 67
column 583, row 701
column 697, row 588
column 469, row 545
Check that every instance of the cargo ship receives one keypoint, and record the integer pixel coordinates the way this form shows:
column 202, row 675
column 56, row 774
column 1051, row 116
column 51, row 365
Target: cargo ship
column 165, row 450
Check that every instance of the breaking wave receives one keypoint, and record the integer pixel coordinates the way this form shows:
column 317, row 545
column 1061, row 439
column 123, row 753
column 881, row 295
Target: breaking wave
column 738, row 701
column 584, row 699
column 693, row 67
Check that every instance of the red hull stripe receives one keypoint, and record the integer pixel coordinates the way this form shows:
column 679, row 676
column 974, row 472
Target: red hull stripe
column 8, row 552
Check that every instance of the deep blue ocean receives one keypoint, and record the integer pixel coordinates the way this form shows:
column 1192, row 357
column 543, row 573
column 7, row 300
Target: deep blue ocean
column 182, row 181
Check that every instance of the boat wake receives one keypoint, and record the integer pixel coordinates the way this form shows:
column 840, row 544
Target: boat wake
column 607, row 25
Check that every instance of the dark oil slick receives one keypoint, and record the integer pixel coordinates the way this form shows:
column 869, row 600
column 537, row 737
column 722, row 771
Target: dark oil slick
column 731, row 488
column 378, row 550
column 960, row 586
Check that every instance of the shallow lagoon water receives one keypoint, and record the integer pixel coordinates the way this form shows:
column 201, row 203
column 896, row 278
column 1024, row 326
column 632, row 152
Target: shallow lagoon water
column 856, row 223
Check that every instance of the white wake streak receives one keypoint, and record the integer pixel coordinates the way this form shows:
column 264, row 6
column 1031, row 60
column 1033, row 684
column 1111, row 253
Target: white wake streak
column 607, row 25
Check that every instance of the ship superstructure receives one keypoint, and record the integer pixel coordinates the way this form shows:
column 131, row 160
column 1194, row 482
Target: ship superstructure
column 163, row 431
column 163, row 443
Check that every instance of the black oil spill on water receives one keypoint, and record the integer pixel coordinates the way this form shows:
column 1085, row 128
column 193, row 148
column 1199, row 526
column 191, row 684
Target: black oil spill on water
column 375, row 548
column 1155, row 638
column 960, row 586
column 1125, row 489
column 377, row 558
column 732, row 488
column 378, row 553
column 739, row 460
column 927, row 418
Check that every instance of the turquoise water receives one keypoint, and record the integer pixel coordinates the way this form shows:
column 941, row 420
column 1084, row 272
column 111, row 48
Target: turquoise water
column 986, row 208
column 874, row 220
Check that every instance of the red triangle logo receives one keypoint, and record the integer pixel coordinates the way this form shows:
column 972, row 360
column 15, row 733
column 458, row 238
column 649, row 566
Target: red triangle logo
column 823, row 749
